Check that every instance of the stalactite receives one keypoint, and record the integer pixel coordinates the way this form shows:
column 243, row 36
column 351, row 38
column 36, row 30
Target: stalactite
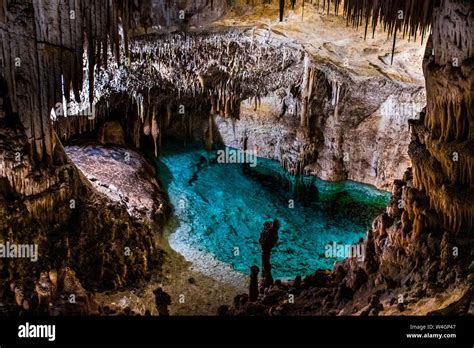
column 416, row 15
column 136, row 133
column 155, row 131
column 336, row 109
column 209, row 133
column 305, row 90
column 213, row 105
column 227, row 109
column 58, row 42
column 147, row 125
column 168, row 114
column 282, row 9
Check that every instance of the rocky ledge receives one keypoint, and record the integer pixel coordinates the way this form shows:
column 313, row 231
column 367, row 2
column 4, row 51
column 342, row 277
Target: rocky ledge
column 89, row 235
column 125, row 177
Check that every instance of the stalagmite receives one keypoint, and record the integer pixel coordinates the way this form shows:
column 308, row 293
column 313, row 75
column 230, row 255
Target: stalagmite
column 268, row 240
column 253, row 285
column 162, row 301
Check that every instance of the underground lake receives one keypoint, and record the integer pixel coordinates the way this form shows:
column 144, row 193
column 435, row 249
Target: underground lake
column 220, row 209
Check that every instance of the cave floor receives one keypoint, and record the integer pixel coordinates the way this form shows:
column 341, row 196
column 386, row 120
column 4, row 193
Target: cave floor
column 202, row 294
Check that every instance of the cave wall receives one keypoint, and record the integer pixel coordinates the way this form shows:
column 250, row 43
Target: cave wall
column 44, row 199
column 364, row 137
column 311, row 116
column 42, row 56
column 196, row 13
column 442, row 148
column 43, row 43
column 423, row 244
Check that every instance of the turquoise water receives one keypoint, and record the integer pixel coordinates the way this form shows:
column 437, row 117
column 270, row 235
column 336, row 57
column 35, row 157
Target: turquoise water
column 220, row 211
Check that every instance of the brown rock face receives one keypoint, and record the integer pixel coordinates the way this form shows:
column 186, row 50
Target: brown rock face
column 70, row 222
column 111, row 132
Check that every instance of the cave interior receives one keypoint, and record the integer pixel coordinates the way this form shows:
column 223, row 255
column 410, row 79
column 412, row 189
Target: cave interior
column 232, row 157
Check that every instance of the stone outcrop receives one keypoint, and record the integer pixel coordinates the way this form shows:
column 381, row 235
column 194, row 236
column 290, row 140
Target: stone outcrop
column 72, row 224
column 108, row 243
column 125, row 177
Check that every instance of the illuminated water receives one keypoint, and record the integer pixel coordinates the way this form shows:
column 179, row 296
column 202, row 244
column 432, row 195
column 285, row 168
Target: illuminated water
column 220, row 211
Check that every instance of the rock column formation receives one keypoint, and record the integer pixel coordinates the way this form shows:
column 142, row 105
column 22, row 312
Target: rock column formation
column 268, row 240
column 442, row 150
column 253, row 286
